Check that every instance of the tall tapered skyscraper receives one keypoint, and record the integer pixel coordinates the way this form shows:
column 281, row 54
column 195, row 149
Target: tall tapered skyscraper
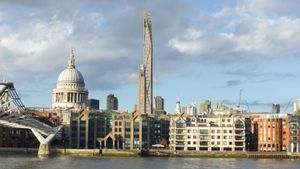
column 145, row 100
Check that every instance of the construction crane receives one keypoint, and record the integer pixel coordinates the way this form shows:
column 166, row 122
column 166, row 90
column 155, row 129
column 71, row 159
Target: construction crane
column 287, row 106
column 247, row 106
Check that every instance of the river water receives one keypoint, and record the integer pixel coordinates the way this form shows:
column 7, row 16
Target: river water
column 68, row 162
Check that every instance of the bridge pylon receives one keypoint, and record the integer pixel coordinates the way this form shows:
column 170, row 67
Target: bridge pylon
column 12, row 114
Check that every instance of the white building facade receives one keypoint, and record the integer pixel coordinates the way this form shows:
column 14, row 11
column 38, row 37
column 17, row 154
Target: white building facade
column 223, row 133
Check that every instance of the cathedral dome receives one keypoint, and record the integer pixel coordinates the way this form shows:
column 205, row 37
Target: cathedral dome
column 70, row 89
column 70, row 75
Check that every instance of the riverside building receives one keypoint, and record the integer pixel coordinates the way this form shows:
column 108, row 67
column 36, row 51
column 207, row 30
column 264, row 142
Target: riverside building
column 85, row 127
column 219, row 133
column 294, row 134
column 271, row 132
column 131, row 131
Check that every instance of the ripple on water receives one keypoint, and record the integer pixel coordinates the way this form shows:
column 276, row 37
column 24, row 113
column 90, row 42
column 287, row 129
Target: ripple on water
column 68, row 162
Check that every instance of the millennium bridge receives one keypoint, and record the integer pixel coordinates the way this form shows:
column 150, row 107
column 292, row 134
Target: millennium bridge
column 13, row 114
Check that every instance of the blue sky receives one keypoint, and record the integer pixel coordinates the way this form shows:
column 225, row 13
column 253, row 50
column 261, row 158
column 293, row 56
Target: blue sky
column 202, row 49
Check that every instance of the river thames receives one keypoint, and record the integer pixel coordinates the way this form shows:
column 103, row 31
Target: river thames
column 68, row 162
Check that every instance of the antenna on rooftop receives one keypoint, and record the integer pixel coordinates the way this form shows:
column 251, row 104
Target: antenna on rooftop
column 239, row 101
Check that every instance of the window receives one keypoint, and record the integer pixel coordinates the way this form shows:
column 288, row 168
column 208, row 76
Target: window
column 203, row 137
column 180, row 124
column 203, row 131
column 239, row 124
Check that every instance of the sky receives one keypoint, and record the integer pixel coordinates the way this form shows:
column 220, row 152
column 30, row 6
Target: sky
column 202, row 50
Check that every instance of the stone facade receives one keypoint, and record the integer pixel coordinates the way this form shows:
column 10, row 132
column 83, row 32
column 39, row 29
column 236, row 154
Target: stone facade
column 294, row 135
column 85, row 127
column 222, row 133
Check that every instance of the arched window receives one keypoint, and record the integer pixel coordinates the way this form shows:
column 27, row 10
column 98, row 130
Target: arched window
column 180, row 124
column 239, row 124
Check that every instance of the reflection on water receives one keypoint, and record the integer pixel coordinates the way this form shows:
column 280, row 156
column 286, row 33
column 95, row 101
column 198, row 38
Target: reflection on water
column 68, row 162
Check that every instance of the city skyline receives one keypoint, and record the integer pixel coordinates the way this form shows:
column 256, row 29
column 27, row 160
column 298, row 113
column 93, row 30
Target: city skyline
column 202, row 50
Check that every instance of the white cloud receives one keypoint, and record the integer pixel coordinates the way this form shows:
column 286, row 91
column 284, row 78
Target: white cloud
column 37, row 36
column 242, row 36
column 30, row 44
column 189, row 43
column 224, row 12
column 269, row 8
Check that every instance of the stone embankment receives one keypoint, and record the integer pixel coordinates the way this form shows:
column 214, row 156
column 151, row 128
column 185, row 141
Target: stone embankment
column 95, row 152
column 154, row 153
column 224, row 154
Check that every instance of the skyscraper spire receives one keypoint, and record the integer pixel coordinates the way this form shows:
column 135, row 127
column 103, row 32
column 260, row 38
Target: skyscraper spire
column 145, row 102
column 71, row 62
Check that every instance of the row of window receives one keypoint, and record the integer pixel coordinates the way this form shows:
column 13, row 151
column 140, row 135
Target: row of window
column 207, row 131
column 205, row 143
column 207, row 137
column 118, row 123
column 269, row 145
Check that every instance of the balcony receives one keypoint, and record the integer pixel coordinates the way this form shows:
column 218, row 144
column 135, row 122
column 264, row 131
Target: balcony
column 203, row 143
column 239, row 144
column 294, row 139
column 293, row 132
column 239, row 132
column 240, row 138
column 180, row 137
column 179, row 143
